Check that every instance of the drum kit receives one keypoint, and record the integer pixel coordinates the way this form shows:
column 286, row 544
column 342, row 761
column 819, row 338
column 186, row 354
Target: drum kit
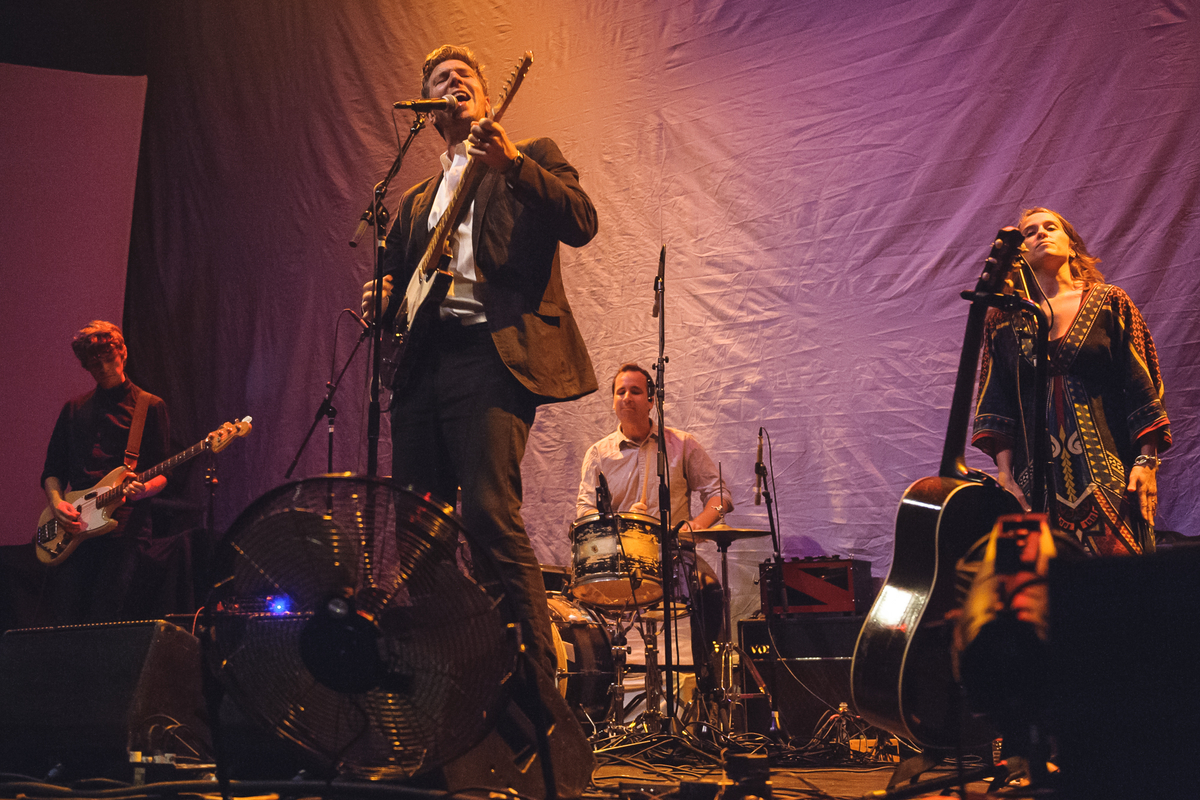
column 615, row 584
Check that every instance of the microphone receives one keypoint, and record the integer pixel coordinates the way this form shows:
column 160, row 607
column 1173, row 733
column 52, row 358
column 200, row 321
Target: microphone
column 447, row 103
column 759, row 471
column 603, row 496
column 658, row 282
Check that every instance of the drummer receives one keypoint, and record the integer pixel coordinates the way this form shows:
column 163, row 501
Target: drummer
column 628, row 459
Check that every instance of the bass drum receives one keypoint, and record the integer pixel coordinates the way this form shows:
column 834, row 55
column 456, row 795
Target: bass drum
column 586, row 673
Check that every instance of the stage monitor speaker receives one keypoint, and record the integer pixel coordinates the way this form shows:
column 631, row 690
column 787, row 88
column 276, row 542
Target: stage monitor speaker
column 1124, row 650
column 812, row 675
column 86, row 696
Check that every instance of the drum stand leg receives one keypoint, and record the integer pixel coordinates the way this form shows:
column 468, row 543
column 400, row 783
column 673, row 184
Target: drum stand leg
column 652, row 720
column 616, row 711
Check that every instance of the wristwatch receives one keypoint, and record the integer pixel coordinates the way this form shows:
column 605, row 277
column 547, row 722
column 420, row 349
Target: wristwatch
column 514, row 168
column 1147, row 461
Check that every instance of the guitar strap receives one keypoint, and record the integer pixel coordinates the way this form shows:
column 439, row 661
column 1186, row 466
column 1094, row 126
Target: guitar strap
column 135, row 431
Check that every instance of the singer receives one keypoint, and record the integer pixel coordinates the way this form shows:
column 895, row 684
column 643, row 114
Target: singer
column 506, row 341
column 628, row 458
column 1105, row 414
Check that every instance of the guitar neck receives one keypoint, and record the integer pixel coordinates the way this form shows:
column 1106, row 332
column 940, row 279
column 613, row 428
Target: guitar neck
column 114, row 493
column 997, row 266
column 175, row 460
column 954, row 462
column 464, row 193
column 468, row 184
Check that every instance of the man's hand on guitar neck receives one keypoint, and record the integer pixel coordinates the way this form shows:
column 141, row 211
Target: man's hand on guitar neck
column 490, row 144
column 134, row 490
column 368, row 297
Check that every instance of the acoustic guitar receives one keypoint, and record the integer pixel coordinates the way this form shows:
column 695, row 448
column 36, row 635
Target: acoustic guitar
column 53, row 543
column 901, row 678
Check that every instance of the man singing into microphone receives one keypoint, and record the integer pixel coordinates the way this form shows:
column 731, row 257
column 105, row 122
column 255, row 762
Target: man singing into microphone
column 628, row 459
column 505, row 340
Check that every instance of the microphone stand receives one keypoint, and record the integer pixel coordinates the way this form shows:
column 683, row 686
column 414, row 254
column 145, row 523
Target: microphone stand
column 376, row 214
column 664, row 496
column 775, row 728
column 327, row 409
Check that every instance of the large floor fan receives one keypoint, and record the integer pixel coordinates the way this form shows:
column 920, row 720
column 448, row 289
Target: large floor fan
column 349, row 625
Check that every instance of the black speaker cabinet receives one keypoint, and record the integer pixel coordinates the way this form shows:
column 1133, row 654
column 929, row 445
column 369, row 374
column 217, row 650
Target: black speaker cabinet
column 1125, row 674
column 812, row 674
column 87, row 695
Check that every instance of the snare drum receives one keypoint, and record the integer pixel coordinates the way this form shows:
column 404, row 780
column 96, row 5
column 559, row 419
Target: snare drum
column 616, row 568
column 586, row 672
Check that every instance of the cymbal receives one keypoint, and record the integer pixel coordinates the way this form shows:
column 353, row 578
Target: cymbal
column 723, row 534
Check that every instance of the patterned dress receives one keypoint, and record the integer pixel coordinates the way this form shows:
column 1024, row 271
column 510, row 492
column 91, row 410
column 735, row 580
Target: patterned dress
column 1105, row 394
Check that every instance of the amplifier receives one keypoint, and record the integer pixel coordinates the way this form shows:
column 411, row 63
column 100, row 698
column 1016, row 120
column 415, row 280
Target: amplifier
column 87, row 695
column 817, row 585
column 811, row 675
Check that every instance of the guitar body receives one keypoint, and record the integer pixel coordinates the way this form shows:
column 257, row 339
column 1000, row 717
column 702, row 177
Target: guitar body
column 54, row 544
column 900, row 678
column 415, row 321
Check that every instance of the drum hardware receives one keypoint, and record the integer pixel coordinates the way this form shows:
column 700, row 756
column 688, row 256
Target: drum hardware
column 586, row 655
column 652, row 720
column 728, row 695
column 620, row 653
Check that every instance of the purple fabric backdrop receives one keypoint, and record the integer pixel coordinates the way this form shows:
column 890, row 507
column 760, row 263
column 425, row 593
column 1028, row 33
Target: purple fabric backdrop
column 70, row 151
column 826, row 177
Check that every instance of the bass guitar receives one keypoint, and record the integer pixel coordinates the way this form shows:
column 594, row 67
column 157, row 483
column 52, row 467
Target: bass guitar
column 901, row 677
column 53, row 543
column 430, row 281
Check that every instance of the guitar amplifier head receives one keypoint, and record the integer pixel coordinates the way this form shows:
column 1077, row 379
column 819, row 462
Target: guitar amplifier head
column 816, row 585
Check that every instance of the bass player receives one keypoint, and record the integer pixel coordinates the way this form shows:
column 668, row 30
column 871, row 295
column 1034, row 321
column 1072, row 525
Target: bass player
column 90, row 439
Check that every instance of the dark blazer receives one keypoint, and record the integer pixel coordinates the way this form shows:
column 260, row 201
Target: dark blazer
column 516, row 231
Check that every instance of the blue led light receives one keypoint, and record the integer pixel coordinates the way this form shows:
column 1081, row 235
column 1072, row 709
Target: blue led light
column 279, row 605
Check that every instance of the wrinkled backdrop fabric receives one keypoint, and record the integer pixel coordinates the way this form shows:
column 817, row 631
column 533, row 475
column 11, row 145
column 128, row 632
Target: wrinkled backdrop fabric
column 826, row 177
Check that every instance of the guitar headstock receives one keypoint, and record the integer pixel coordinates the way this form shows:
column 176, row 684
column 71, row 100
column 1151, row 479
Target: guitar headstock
column 1006, row 252
column 223, row 436
column 512, row 84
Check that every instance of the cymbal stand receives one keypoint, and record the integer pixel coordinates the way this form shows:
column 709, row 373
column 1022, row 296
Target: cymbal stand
column 729, row 691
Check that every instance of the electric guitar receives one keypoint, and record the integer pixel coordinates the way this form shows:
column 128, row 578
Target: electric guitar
column 431, row 279
column 53, row 543
column 901, row 678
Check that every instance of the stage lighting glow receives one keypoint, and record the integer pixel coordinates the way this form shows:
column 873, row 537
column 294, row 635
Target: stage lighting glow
column 280, row 604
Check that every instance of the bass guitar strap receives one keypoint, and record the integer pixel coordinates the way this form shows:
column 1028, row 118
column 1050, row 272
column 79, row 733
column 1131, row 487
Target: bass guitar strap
column 135, row 431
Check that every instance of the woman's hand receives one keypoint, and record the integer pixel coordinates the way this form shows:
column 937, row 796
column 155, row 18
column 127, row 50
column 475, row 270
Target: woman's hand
column 1143, row 490
column 1005, row 476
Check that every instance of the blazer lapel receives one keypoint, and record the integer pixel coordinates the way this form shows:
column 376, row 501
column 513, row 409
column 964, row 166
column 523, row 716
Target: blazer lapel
column 419, row 236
